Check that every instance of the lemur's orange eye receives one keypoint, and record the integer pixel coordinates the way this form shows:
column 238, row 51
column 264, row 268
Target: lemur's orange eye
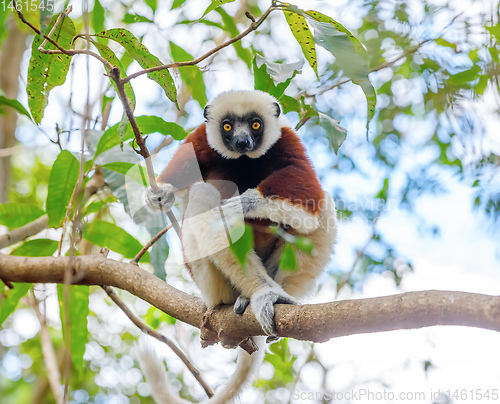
column 256, row 125
column 227, row 127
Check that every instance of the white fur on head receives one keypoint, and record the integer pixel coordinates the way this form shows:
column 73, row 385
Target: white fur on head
column 241, row 103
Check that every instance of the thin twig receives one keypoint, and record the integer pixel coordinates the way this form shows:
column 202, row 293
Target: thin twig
column 160, row 337
column 49, row 354
column 59, row 19
column 139, row 255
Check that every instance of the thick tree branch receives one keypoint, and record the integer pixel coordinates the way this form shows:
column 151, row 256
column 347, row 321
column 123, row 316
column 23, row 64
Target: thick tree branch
column 313, row 322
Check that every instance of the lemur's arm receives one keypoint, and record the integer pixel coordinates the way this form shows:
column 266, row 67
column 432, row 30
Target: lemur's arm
column 290, row 196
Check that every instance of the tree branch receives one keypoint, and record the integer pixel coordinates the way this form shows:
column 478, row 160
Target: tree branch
column 160, row 337
column 312, row 322
column 253, row 26
column 24, row 232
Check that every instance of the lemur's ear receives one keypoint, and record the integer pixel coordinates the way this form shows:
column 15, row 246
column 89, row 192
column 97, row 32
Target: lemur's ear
column 205, row 112
column 278, row 109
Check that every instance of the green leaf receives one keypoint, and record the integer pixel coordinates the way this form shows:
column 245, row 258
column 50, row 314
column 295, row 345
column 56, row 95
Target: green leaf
column 97, row 206
column 40, row 247
column 11, row 298
column 444, row 42
column 15, row 215
column 177, row 4
column 463, row 78
column 62, row 182
column 190, row 75
column 133, row 18
column 14, row 104
column 147, row 124
column 145, row 59
column 153, row 4
column 302, row 34
column 98, row 17
column 154, row 318
column 280, row 72
column 243, row 245
column 289, row 104
column 133, row 171
column 48, row 71
column 230, row 26
column 288, row 259
column 214, row 5
column 304, row 244
column 78, row 306
column 494, row 31
column 106, row 234
column 158, row 257
column 263, row 81
column 384, row 191
column 350, row 55
column 335, row 133
column 110, row 56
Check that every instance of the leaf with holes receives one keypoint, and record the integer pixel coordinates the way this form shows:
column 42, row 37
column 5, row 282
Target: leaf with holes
column 142, row 55
column 15, row 215
column 78, row 306
column 48, row 71
column 350, row 55
column 191, row 75
column 214, row 5
column 106, row 234
column 303, row 35
column 62, row 182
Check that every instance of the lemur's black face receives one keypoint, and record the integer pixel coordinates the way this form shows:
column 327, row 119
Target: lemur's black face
column 242, row 134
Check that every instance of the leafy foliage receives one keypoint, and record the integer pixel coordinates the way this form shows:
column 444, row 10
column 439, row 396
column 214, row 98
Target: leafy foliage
column 47, row 71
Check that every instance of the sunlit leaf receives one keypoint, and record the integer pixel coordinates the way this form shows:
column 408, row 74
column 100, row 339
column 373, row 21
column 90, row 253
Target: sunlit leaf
column 14, row 215
column 280, row 72
column 263, row 81
column 62, row 182
column 153, row 4
column 335, row 133
column 40, row 247
column 48, row 71
column 14, row 104
column 147, row 124
column 97, row 17
column 11, row 298
column 230, row 26
column 154, row 318
column 134, row 18
column 215, row 4
column 177, row 4
column 106, row 234
column 133, row 171
column 142, row 55
column 190, row 75
column 243, row 245
column 302, row 34
column 288, row 259
column 78, row 306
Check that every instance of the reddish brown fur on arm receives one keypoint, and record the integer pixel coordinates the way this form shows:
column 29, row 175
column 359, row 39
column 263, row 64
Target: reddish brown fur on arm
column 296, row 181
column 184, row 169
